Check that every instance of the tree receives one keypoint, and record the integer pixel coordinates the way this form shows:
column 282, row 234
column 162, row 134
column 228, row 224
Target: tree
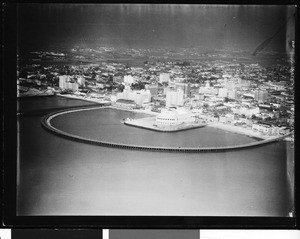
column 121, row 87
column 110, row 79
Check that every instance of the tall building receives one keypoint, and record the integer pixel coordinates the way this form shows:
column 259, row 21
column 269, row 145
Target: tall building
column 66, row 82
column 62, row 80
column 186, row 87
column 261, row 95
column 174, row 97
column 164, row 77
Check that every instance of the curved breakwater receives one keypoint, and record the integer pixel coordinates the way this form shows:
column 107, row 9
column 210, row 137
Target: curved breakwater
column 46, row 123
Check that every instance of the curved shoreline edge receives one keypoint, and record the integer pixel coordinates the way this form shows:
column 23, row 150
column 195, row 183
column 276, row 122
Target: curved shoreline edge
column 46, row 124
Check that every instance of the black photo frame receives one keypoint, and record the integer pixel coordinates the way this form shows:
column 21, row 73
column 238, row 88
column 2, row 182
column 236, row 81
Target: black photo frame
column 10, row 144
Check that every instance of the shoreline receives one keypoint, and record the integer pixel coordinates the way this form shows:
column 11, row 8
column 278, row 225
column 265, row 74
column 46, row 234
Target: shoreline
column 218, row 125
column 135, row 110
column 46, row 124
column 99, row 101
column 240, row 130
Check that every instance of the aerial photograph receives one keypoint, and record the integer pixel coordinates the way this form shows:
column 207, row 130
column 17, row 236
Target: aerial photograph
column 155, row 110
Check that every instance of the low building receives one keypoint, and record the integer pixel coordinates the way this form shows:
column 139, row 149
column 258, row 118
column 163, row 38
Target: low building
column 174, row 117
column 164, row 77
column 126, row 104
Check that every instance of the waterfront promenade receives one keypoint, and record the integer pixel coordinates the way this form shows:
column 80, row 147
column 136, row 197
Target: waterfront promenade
column 46, row 123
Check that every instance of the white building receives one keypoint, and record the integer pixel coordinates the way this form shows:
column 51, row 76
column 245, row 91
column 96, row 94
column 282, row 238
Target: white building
column 164, row 77
column 129, row 80
column 138, row 96
column 174, row 97
column 223, row 92
column 174, row 117
column 65, row 82
column 186, row 87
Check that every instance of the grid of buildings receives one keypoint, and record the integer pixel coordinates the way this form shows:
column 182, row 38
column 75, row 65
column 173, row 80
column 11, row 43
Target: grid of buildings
column 229, row 92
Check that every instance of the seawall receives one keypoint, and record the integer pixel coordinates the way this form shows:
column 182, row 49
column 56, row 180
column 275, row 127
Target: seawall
column 46, row 123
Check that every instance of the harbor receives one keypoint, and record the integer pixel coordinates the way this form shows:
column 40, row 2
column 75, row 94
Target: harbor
column 146, row 123
column 57, row 164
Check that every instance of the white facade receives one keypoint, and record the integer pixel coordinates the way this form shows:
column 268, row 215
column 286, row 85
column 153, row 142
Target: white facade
column 164, row 77
column 186, row 87
column 174, row 97
column 65, row 82
column 174, row 117
column 129, row 80
column 223, row 92
column 138, row 96
column 141, row 97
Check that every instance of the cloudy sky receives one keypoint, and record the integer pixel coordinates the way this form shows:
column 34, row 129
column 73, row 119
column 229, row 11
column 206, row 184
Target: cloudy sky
column 155, row 25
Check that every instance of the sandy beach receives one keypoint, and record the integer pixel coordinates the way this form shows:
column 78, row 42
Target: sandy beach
column 99, row 101
column 239, row 130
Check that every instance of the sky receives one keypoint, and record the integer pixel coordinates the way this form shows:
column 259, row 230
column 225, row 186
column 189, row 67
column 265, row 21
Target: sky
column 154, row 25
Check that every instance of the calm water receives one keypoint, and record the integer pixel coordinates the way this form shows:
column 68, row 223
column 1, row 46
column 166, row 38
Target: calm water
column 99, row 124
column 45, row 103
column 62, row 177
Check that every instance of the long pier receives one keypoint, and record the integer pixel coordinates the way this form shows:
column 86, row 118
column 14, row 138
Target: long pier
column 46, row 123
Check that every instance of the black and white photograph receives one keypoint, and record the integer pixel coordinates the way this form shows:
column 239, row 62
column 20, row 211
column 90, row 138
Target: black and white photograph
column 155, row 110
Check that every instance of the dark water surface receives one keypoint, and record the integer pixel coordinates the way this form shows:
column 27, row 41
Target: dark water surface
column 29, row 104
column 100, row 123
column 62, row 177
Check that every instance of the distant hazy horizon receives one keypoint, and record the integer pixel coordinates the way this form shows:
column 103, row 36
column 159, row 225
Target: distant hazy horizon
column 154, row 25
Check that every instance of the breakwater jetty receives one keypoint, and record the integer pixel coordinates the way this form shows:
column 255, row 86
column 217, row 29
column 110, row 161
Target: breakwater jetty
column 46, row 123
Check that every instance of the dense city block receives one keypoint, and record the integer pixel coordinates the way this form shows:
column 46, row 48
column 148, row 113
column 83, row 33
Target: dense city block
column 222, row 87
